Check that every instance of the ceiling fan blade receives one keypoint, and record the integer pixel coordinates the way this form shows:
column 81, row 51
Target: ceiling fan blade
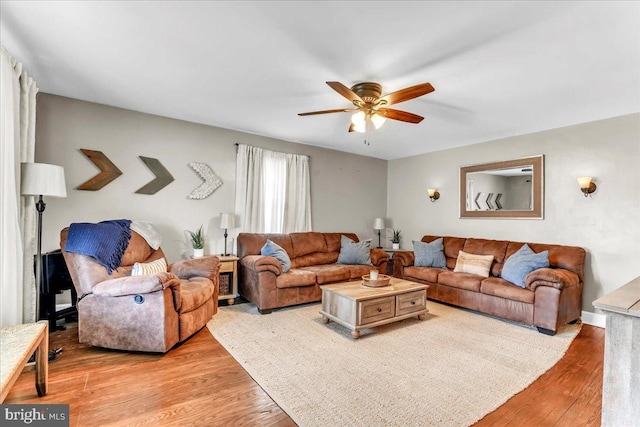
column 340, row 110
column 345, row 91
column 352, row 127
column 403, row 116
column 407, row 93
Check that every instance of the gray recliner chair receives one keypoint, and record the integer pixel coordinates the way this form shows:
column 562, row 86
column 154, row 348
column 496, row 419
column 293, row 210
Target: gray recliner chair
column 142, row 313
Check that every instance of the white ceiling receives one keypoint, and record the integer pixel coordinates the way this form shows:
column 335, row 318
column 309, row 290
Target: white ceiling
column 499, row 68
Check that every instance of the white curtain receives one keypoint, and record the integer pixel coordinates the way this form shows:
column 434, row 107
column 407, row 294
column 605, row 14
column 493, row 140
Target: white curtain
column 273, row 191
column 17, row 215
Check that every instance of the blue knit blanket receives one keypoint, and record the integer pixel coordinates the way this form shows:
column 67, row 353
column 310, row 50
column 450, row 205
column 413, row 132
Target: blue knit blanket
column 105, row 241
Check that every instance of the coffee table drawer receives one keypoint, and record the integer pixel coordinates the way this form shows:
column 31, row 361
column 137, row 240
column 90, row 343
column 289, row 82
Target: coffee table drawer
column 410, row 302
column 377, row 309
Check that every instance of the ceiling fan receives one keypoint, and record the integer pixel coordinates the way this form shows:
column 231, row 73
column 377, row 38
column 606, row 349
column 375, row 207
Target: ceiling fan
column 370, row 105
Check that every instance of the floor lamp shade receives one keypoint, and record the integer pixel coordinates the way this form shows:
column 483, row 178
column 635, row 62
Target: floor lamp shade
column 41, row 179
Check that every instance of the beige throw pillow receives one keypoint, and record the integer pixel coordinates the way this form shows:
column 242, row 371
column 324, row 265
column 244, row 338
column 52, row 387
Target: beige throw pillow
column 144, row 268
column 473, row 264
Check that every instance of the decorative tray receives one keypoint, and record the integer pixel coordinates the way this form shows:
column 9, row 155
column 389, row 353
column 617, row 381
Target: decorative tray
column 382, row 280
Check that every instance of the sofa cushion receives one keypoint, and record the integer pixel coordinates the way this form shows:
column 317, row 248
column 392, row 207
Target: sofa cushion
column 470, row 282
column 251, row 243
column 295, row 278
column 523, row 262
column 357, row 271
column 354, row 253
column 423, row 273
column 568, row 257
column 307, row 243
column 272, row 249
column 497, row 248
column 333, row 240
column 473, row 264
column 429, row 254
column 329, row 273
column 452, row 245
column 501, row 288
column 317, row 258
column 194, row 292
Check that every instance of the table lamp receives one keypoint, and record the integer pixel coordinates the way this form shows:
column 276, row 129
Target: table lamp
column 378, row 224
column 227, row 221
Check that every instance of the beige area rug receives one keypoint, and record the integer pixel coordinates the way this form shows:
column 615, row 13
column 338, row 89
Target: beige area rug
column 451, row 369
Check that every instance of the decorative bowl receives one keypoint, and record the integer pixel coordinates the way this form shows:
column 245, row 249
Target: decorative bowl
column 382, row 280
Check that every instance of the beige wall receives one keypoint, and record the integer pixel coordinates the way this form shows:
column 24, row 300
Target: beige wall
column 607, row 225
column 347, row 191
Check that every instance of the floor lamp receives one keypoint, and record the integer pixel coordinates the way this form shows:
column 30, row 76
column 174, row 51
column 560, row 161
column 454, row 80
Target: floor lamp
column 378, row 224
column 226, row 221
column 41, row 179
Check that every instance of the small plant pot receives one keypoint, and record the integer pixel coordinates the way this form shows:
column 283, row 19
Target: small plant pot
column 396, row 246
column 198, row 253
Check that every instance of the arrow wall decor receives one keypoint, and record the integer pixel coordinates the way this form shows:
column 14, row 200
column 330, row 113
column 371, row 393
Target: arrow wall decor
column 108, row 171
column 162, row 179
column 210, row 184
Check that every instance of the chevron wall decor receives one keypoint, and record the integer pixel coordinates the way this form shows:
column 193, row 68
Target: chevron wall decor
column 162, row 179
column 108, row 171
column 210, row 184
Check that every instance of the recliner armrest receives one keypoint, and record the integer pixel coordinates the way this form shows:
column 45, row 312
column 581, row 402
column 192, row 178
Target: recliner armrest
column 406, row 258
column 133, row 285
column 378, row 256
column 262, row 263
column 558, row 278
column 207, row 266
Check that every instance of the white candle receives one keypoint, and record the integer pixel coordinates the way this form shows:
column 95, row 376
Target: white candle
column 373, row 275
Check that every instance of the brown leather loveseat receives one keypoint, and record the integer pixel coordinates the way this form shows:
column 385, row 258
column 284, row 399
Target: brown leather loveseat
column 552, row 296
column 313, row 263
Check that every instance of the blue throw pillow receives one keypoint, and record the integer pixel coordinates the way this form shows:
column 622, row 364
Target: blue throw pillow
column 429, row 254
column 276, row 251
column 354, row 253
column 523, row 262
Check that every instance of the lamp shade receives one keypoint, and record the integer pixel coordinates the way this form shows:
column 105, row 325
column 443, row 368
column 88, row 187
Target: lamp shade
column 584, row 182
column 41, row 179
column 227, row 221
column 378, row 224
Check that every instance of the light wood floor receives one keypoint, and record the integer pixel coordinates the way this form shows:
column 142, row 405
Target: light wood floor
column 199, row 383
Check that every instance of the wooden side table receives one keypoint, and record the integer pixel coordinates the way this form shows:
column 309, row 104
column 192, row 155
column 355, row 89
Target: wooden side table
column 228, row 278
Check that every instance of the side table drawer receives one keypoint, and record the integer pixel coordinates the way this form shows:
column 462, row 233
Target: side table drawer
column 376, row 309
column 226, row 266
column 410, row 302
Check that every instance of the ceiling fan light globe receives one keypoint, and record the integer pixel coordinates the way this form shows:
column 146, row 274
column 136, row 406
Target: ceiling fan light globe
column 358, row 118
column 360, row 127
column 378, row 120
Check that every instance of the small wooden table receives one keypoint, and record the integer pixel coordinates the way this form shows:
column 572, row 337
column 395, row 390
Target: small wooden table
column 17, row 344
column 229, row 266
column 358, row 307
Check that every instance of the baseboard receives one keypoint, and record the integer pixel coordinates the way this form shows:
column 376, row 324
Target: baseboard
column 594, row 319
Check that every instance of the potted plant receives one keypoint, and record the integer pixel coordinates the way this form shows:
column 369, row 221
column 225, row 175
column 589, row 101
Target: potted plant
column 395, row 239
column 197, row 242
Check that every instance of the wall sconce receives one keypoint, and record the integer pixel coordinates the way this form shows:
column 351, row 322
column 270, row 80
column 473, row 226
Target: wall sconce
column 586, row 186
column 433, row 194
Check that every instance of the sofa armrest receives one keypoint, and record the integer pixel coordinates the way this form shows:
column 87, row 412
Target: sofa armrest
column 208, row 266
column 260, row 263
column 558, row 278
column 133, row 285
column 405, row 258
column 378, row 256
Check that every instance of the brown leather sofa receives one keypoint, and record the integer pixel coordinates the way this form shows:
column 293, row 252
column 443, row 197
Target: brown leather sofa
column 552, row 296
column 313, row 263
column 142, row 313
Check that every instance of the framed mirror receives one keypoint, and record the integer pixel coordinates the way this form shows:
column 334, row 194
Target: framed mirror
column 507, row 189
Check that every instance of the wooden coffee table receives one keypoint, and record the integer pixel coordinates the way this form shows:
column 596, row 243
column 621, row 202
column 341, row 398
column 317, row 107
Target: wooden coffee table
column 357, row 307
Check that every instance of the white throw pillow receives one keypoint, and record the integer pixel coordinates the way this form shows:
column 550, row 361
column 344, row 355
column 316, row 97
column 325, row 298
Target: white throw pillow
column 473, row 264
column 144, row 268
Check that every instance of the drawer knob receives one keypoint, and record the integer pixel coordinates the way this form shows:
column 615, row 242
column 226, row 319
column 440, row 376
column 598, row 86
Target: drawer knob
column 379, row 310
column 413, row 302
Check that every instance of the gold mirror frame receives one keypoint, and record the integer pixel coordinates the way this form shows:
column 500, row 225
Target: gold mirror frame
column 537, row 182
